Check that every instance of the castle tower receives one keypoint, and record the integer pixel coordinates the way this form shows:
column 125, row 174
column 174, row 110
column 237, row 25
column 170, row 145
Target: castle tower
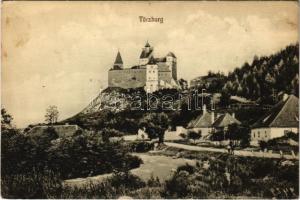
column 118, row 62
column 172, row 63
column 146, row 54
column 151, row 76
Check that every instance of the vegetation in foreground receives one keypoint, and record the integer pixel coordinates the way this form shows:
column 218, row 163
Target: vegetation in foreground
column 222, row 176
column 33, row 166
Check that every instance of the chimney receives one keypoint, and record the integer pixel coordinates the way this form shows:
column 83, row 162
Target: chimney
column 204, row 108
column 212, row 117
column 233, row 115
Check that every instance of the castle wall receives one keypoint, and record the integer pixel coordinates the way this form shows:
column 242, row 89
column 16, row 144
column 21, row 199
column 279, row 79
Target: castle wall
column 127, row 78
column 165, row 76
column 172, row 63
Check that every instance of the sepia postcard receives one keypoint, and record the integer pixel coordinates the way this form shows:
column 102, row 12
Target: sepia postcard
column 149, row 100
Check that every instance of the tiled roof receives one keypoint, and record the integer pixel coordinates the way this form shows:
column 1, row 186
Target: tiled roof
column 62, row 130
column 202, row 121
column 284, row 114
column 225, row 120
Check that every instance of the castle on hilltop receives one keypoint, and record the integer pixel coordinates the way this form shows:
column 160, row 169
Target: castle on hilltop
column 151, row 73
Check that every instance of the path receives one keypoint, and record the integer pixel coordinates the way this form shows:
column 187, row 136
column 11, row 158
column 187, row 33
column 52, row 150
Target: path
column 158, row 166
column 236, row 152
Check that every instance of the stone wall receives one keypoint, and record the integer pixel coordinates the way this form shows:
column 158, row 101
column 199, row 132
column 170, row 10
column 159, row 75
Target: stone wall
column 127, row 78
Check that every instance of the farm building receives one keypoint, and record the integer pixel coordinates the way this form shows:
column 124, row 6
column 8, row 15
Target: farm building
column 283, row 118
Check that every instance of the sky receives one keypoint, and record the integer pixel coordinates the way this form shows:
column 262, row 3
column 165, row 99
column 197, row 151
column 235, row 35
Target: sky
column 59, row 53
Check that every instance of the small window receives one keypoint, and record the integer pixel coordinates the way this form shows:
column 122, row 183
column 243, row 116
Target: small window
column 258, row 134
column 254, row 135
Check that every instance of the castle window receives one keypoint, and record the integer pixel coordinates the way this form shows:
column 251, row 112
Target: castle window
column 258, row 134
column 254, row 135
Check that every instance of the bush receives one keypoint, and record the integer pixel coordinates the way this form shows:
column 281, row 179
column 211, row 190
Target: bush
column 127, row 180
column 30, row 185
column 177, row 186
column 133, row 161
column 188, row 168
column 142, row 147
column 263, row 144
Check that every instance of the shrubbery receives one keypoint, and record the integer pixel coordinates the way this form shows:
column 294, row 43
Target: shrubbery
column 27, row 161
column 141, row 146
column 229, row 176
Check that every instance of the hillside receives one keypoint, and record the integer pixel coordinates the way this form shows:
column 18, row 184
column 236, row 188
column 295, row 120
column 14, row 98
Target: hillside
column 263, row 80
column 113, row 99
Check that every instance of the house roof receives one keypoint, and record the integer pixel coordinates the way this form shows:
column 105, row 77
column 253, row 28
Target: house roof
column 225, row 120
column 118, row 59
column 62, row 130
column 203, row 121
column 283, row 114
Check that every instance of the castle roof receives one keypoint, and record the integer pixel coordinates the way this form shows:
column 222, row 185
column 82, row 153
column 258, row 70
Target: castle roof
column 145, row 53
column 118, row 59
column 163, row 59
column 147, row 44
column 283, row 114
column 171, row 54
column 152, row 61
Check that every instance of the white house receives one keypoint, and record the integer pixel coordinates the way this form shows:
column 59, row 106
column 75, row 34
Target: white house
column 203, row 123
column 208, row 123
column 283, row 118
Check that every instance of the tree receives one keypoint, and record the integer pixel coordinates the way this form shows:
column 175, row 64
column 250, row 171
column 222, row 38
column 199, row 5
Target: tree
column 183, row 84
column 239, row 132
column 156, row 124
column 51, row 114
column 194, row 135
column 225, row 98
column 6, row 119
